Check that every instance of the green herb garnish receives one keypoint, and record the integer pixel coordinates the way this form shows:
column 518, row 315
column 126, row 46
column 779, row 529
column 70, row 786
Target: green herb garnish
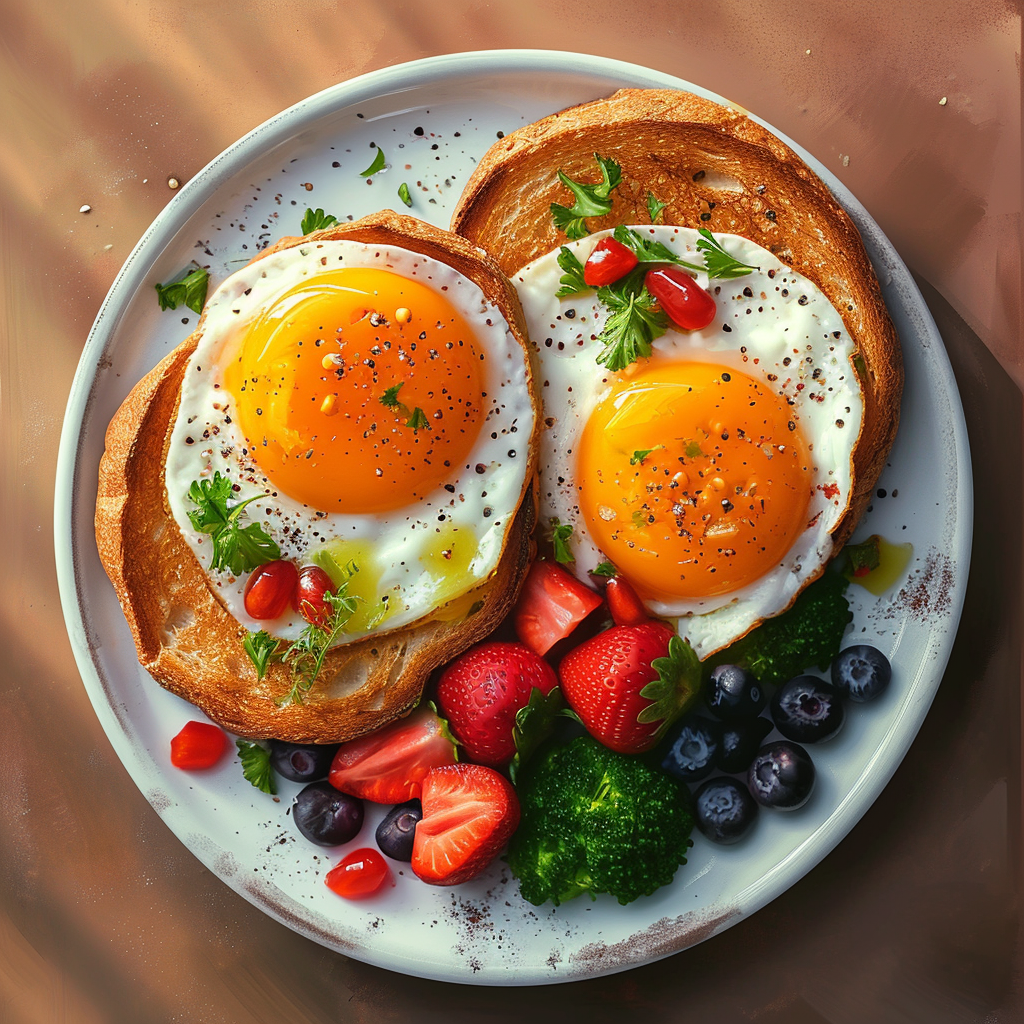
column 654, row 207
column 256, row 768
column 561, row 534
column 605, row 569
column 315, row 220
column 717, row 261
column 592, row 200
column 418, row 420
column 647, row 250
column 403, row 194
column 378, row 163
column 634, row 321
column 188, row 290
column 306, row 655
column 390, row 397
column 236, row 547
column 640, row 454
column 862, row 558
column 572, row 280
column 261, row 648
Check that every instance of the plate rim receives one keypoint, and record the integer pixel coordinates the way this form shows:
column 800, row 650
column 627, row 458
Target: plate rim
column 289, row 123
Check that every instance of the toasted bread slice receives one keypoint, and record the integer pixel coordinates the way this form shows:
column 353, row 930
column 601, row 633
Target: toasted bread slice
column 188, row 641
column 715, row 168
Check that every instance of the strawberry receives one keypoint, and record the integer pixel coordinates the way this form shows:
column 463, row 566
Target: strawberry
column 551, row 605
column 469, row 812
column 388, row 766
column 480, row 693
column 629, row 682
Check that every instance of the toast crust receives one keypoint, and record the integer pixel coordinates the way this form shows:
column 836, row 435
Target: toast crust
column 715, row 168
column 184, row 636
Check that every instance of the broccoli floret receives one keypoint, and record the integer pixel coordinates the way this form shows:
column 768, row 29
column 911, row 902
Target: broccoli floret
column 808, row 634
column 597, row 821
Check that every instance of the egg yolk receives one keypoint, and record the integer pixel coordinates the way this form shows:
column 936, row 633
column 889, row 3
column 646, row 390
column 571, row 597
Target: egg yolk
column 694, row 480
column 358, row 390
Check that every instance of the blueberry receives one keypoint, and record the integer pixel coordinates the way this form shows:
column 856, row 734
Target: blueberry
column 781, row 776
column 691, row 748
column 740, row 741
column 861, row 673
column 725, row 810
column 301, row 762
column 396, row 832
column 734, row 693
column 807, row 709
column 325, row 816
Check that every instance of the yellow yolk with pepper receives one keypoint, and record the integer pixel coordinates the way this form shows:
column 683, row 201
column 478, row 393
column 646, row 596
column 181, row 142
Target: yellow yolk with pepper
column 360, row 392
column 694, row 479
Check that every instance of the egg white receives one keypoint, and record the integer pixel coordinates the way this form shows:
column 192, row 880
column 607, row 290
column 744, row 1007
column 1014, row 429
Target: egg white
column 476, row 511
column 774, row 325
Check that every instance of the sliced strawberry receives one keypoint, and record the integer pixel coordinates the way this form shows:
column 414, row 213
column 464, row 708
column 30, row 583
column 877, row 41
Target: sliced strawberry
column 551, row 605
column 480, row 693
column 469, row 813
column 388, row 766
column 629, row 682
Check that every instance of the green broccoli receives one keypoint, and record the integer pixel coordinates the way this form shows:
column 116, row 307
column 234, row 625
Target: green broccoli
column 597, row 821
column 810, row 633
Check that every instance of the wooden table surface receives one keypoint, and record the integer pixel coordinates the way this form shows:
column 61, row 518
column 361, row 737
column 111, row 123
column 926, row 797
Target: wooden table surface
column 913, row 104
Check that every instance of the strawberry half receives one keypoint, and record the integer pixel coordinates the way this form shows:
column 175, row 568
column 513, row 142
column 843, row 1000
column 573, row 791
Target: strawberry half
column 480, row 693
column 388, row 766
column 469, row 813
column 629, row 683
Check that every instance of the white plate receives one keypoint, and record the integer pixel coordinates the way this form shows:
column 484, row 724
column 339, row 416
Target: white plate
column 433, row 119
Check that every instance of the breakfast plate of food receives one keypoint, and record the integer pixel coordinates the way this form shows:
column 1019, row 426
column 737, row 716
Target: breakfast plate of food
column 513, row 515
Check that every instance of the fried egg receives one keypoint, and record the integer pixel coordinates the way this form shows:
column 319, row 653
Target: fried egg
column 711, row 474
column 378, row 407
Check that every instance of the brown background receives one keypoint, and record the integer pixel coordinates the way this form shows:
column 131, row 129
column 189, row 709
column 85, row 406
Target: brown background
column 104, row 915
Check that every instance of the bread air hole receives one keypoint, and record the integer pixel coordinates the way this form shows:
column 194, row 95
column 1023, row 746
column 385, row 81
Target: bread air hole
column 178, row 618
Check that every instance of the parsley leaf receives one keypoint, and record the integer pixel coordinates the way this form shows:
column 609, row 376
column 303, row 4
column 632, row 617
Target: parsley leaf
column 378, row 164
column 862, row 558
column 591, row 199
column 640, row 454
column 390, row 396
column 418, row 420
column 654, row 206
column 188, row 290
column 647, row 250
column 306, row 655
column 236, row 548
column 403, row 194
column 604, row 569
column 256, row 768
column 634, row 321
column 315, row 220
column 261, row 648
column 717, row 261
column 572, row 280
column 561, row 534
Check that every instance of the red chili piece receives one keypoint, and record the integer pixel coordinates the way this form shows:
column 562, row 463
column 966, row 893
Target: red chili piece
column 270, row 589
column 688, row 305
column 198, row 745
column 609, row 261
column 625, row 606
column 358, row 875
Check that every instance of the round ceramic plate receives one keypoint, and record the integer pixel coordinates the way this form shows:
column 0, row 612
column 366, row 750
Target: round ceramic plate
column 432, row 120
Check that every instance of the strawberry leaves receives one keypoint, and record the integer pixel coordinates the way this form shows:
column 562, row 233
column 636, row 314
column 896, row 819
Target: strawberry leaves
column 676, row 688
